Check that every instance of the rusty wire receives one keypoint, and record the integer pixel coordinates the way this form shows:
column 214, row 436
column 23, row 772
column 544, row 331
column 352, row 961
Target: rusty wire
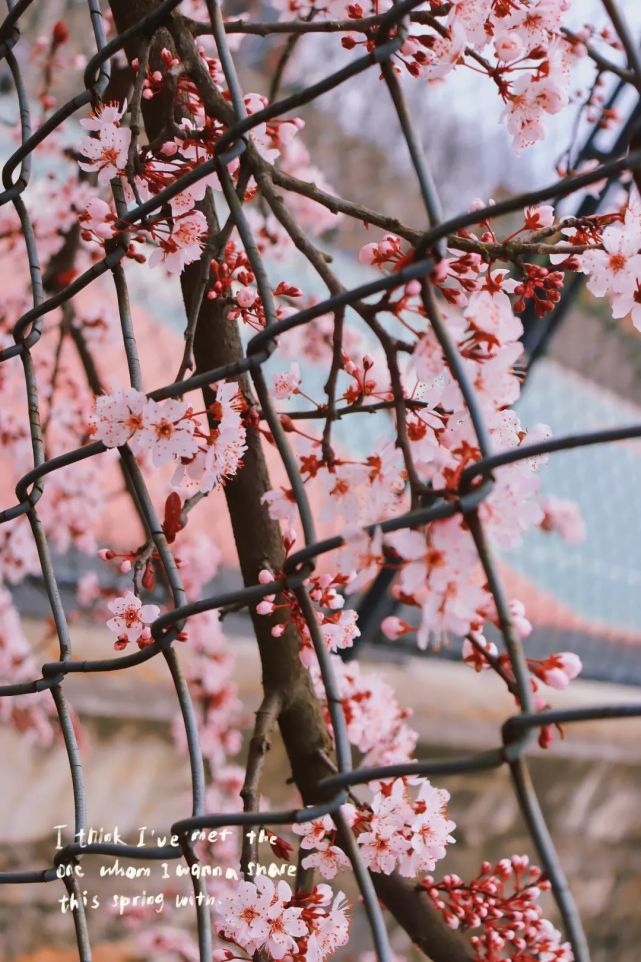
column 476, row 481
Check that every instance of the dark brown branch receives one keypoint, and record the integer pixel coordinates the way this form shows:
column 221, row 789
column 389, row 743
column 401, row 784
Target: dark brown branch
column 628, row 42
column 330, row 386
column 266, row 718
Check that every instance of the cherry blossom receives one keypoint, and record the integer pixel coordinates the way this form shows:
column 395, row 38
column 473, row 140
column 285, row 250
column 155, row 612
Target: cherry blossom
column 107, row 152
column 557, row 671
column 28, row 713
column 400, row 832
column 18, row 555
column 184, row 243
column 220, row 456
column 104, row 116
column 376, row 723
column 615, row 269
column 263, row 915
column 118, row 416
column 167, row 432
column 97, row 220
column 564, row 518
column 286, row 383
column 131, row 620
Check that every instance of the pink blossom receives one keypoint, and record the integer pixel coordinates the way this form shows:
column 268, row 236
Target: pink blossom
column 342, row 632
column 521, row 624
column 406, row 834
column 286, row 383
column 313, row 833
column 220, row 456
column 329, row 930
column 565, row 518
column 281, row 506
column 131, row 618
column 361, row 556
column 471, row 654
column 167, row 431
column 472, row 16
column 615, row 269
column 107, row 152
column 393, row 627
column 376, row 724
column 259, row 915
column 30, row 716
column 242, row 915
column 557, row 671
column 18, row 555
column 328, row 861
column 246, row 297
column 105, row 116
column 493, row 314
column 98, row 219
column 539, row 217
column 118, row 416
column 184, row 243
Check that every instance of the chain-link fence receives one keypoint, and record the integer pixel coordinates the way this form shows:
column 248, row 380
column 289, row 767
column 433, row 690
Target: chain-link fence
column 475, row 484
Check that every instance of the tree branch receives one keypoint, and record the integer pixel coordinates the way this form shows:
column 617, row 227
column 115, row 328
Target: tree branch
column 266, row 718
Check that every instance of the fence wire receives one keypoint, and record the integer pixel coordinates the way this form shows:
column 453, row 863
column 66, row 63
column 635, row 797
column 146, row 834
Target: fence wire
column 475, row 484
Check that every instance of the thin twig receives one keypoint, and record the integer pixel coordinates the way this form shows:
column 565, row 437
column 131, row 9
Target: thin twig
column 266, row 718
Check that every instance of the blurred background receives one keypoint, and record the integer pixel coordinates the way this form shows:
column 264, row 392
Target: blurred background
column 585, row 374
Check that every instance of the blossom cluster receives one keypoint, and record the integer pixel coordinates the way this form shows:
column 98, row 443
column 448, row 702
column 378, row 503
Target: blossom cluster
column 439, row 570
column 266, row 916
column 171, row 431
column 614, row 268
column 500, row 908
column 376, row 723
column 109, row 151
column 337, row 625
column 522, row 46
column 398, row 830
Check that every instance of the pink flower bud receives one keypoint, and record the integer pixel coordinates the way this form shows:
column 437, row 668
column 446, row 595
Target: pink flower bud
column 388, row 246
column 393, row 627
column 169, row 148
column 538, row 217
column 570, row 663
column 125, row 566
column 265, row 576
column 245, row 297
column 368, row 254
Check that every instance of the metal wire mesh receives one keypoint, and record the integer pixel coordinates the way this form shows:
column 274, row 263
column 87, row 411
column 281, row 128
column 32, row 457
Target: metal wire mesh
column 476, row 481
